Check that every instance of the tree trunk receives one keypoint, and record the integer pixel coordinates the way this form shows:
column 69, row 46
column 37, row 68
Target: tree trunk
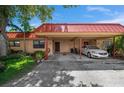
column 24, row 42
column 4, row 22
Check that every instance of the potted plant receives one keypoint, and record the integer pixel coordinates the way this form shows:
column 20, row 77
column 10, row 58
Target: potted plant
column 39, row 56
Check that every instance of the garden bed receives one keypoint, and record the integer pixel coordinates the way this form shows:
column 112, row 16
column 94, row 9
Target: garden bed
column 16, row 66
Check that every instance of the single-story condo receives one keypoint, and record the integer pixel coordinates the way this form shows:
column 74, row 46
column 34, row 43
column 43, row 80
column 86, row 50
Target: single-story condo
column 62, row 37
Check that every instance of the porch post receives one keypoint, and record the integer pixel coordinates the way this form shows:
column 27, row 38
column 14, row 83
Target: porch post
column 113, row 52
column 46, row 48
column 74, row 43
column 80, row 48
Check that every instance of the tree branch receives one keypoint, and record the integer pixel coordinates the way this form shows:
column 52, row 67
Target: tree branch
column 15, row 26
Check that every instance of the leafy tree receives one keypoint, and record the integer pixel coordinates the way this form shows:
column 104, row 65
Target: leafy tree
column 12, row 30
column 31, row 29
column 23, row 13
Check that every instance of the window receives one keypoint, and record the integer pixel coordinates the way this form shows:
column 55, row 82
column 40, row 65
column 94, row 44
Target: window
column 38, row 44
column 14, row 43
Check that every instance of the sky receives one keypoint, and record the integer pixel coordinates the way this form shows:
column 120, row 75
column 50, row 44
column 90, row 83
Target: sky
column 85, row 14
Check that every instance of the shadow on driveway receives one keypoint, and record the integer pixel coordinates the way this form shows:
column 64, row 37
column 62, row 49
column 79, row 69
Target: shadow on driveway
column 49, row 74
column 67, row 71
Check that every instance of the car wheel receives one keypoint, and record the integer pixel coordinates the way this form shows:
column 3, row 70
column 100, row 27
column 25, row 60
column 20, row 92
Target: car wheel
column 89, row 55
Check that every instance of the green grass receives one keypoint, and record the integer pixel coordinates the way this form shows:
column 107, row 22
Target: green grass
column 16, row 66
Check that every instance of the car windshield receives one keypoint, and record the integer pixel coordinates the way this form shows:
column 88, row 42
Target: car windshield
column 92, row 47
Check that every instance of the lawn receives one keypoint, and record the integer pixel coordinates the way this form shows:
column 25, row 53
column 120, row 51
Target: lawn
column 16, row 66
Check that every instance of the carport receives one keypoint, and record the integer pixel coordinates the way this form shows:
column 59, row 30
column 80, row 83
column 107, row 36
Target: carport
column 79, row 32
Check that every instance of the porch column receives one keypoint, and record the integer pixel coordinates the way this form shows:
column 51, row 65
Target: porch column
column 46, row 48
column 113, row 52
column 80, row 48
column 74, row 43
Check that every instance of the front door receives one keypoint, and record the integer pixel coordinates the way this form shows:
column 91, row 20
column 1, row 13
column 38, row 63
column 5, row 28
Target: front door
column 57, row 46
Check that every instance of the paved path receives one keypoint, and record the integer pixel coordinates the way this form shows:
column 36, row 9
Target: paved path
column 69, row 73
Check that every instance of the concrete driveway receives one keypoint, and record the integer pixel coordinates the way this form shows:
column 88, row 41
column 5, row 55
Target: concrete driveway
column 73, row 62
column 70, row 71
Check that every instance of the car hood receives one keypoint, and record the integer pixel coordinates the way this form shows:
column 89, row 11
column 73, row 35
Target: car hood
column 98, row 50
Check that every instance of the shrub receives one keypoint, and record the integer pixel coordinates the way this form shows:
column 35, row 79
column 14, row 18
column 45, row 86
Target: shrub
column 16, row 65
column 118, row 51
column 13, row 56
column 119, row 42
column 39, row 55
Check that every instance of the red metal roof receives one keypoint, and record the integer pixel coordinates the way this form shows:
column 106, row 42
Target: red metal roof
column 91, row 27
column 85, row 27
column 19, row 35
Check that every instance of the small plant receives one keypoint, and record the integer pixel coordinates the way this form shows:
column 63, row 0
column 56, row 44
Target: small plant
column 39, row 55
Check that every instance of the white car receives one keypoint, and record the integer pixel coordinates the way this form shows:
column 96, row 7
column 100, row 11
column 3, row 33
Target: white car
column 94, row 52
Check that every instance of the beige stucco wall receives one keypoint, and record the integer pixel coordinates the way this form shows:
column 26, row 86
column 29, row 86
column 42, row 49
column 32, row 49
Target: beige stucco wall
column 29, row 47
column 19, row 48
column 50, row 46
column 101, row 43
column 65, row 45
column 77, row 42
